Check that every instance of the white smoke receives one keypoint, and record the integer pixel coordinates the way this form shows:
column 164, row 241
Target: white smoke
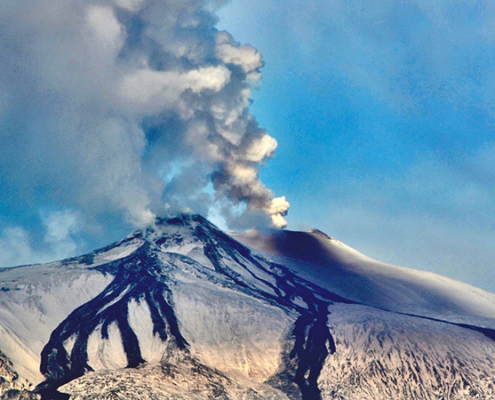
column 130, row 107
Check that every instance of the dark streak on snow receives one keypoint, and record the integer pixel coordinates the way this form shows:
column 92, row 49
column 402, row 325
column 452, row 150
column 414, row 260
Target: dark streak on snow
column 312, row 338
column 137, row 277
column 489, row 333
column 141, row 276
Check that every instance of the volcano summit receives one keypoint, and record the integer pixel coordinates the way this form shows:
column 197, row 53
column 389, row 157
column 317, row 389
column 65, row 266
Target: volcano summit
column 181, row 310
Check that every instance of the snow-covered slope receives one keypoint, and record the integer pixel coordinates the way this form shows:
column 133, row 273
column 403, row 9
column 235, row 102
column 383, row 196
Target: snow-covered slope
column 389, row 356
column 181, row 310
column 343, row 270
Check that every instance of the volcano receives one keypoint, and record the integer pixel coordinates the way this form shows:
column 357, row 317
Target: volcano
column 182, row 310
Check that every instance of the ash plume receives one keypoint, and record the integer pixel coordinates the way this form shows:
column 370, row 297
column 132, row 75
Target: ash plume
column 129, row 107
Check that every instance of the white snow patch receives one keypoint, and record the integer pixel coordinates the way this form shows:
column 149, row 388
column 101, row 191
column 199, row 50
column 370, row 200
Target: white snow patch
column 152, row 347
column 118, row 253
column 184, row 249
column 197, row 254
column 108, row 353
column 300, row 302
column 117, row 299
column 69, row 344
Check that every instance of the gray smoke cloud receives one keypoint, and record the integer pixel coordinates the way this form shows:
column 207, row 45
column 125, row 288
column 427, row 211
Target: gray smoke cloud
column 129, row 107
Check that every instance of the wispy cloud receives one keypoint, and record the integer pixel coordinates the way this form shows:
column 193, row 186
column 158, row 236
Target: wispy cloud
column 59, row 239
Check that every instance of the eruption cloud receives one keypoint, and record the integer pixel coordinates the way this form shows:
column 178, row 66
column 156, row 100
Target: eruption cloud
column 130, row 107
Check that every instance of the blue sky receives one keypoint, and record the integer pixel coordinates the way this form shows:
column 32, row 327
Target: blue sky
column 112, row 111
column 384, row 114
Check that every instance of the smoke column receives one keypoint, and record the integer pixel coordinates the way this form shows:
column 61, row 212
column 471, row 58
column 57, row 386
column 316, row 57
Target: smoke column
column 130, row 107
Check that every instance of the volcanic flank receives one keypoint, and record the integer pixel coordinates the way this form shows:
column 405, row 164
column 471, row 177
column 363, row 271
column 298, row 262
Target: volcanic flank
column 181, row 310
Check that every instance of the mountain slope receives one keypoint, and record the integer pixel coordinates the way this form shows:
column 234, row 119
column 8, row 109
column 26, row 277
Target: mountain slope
column 181, row 310
column 339, row 268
